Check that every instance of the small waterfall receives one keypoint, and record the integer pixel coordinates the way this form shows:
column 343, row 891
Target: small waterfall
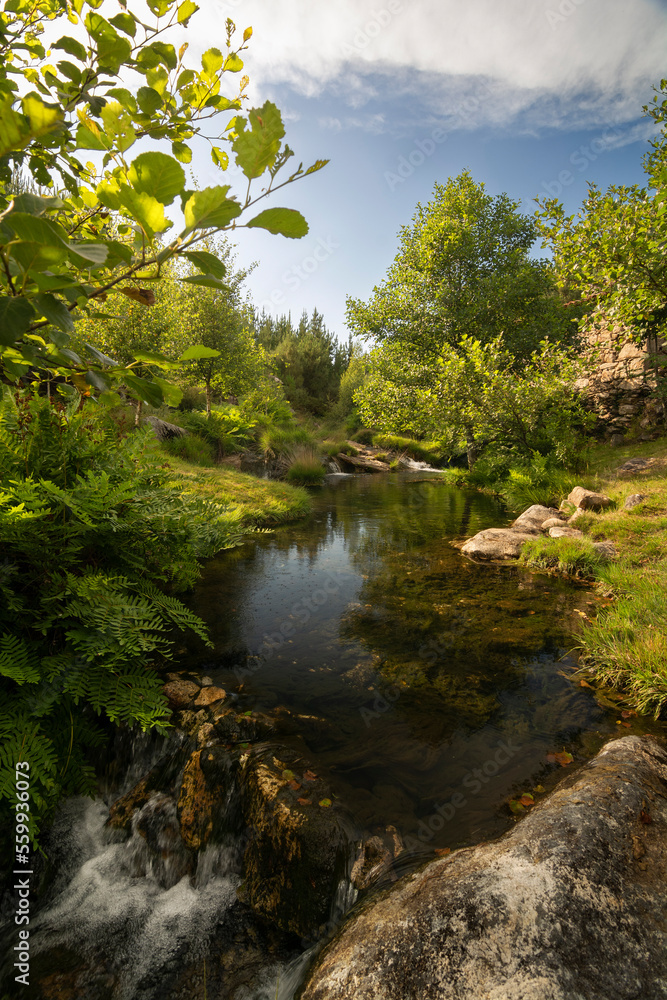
column 413, row 466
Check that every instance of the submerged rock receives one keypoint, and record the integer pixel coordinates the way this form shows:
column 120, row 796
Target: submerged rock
column 569, row 905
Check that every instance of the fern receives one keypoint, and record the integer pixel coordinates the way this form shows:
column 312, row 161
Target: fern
column 84, row 616
column 18, row 661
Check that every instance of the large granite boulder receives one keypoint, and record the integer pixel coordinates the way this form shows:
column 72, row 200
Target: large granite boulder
column 569, row 905
column 588, row 500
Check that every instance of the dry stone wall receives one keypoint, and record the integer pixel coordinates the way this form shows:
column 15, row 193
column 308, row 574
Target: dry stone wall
column 621, row 383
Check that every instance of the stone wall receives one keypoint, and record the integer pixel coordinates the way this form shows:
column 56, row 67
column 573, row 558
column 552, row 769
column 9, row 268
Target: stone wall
column 621, row 383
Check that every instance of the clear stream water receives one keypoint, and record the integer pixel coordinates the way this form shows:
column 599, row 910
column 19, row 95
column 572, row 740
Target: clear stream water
column 427, row 691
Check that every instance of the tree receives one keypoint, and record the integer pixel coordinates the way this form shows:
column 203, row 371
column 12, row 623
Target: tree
column 463, row 270
column 476, row 390
column 107, row 228
column 613, row 249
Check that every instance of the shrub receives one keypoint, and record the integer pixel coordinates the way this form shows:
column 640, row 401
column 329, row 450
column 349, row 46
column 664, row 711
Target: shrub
column 193, row 399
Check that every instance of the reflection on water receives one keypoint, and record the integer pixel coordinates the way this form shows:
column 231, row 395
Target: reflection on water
column 427, row 689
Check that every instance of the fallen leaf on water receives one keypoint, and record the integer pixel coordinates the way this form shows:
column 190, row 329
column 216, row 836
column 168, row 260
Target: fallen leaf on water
column 325, row 803
column 295, row 785
column 516, row 806
column 539, row 789
column 585, row 684
column 626, row 714
column 527, row 799
column 443, row 850
column 309, row 776
column 288, row 774
column 626, row 724
column 305, row 802
column 645, row 816
column 531, row 612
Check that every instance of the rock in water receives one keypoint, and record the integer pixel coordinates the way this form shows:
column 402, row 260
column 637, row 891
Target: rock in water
column 497, row 543
column 569, row 905
column 533, row 518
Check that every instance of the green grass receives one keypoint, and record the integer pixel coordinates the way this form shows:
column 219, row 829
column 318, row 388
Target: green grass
column 190, row 448
column 575, row 557
column 625, row 646
column 281, row 440
column 421, row 451
column 261, row 502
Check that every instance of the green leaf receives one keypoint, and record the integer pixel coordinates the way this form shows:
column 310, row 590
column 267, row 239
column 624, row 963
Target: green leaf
column 284, row 221
column 32, row 227
column 124, row 22
column 155, row 359
column 92, row 253
column 211, row 62
column 144, row 209
column 86, row 138
column 124, row 97
column 16, row 315
column 182, row 152
column 220, row 158
column 166, row 54
column 233, row 63
column 55, row 311
column 43, row 117
column 257, row 149
column 172, row 393
column 157, row 174
column 118, row 125
column 145, row 389
column 186, row 10
column 206, row 262
column 198, row 351
column 210, row 209
column 33, row 204
column 149, row 100
column 36, row 256
column 72, row 46
column 207, row 280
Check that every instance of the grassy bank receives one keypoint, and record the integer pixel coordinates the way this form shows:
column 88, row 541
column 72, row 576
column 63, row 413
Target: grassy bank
column 260, row 502
column 625, row 645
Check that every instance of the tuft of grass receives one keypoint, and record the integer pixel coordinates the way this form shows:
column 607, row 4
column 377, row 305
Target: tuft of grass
column 305, row 466
column 575, row 556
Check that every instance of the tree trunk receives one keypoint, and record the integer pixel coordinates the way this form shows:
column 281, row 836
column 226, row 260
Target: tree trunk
column 137, row 413
column 472, row 447
column 208, row 399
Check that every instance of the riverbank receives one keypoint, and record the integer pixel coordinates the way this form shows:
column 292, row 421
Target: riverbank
column 624, row 646
column 258, row 502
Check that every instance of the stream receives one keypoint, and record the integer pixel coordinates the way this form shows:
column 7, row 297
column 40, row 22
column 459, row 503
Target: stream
column 426, row 690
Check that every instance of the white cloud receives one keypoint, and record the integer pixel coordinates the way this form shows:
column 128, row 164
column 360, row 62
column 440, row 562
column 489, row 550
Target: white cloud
column 545, row 60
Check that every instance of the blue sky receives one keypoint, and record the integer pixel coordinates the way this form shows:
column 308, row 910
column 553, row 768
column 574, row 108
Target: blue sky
column 533, row 96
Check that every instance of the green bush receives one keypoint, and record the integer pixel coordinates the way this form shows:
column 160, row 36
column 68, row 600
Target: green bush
column 95, row 540
column 193, row 399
